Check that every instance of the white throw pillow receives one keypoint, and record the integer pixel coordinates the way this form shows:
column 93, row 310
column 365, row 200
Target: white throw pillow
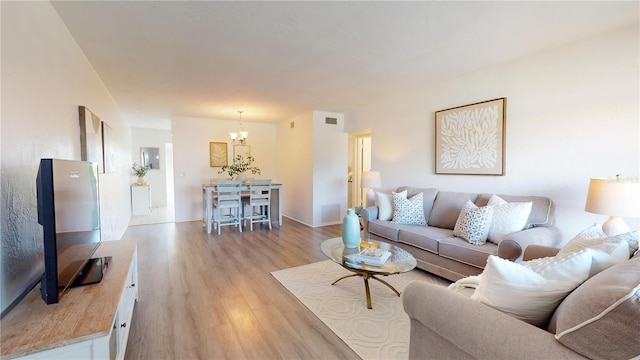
column 473, row 223
column 608, row 251
column 469, row 282
column 408, row 211
column 384, row 203
column 632, row 239
column 531, row 290
column 591, row 232
column 507, row 217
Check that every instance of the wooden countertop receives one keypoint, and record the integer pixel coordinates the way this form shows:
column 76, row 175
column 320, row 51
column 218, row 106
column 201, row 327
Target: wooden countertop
column 82, row 313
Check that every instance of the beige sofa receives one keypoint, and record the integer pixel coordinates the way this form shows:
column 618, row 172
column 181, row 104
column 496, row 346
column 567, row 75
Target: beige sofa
column 600, row 319
column 438, row 251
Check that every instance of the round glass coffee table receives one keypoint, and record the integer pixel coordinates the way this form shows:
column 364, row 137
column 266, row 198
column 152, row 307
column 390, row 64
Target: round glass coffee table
column 399, row 262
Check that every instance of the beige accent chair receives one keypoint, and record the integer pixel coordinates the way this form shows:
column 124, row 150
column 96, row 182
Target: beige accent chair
column 597, row 320
column 227, row 196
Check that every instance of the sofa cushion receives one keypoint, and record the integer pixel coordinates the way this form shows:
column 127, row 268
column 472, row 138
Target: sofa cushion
column 428, row 196
column 384, row 202
column 599, row 319
column 508, row 217
column 447, row 207
column 608, row 251
column 542, row 208
column 385, row 229
column 460, row 250
column 531, row 290
column 408, row 211
column 473, row 223
column 423, row 237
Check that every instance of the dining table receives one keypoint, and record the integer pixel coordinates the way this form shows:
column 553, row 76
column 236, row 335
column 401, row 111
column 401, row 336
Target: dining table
column 207, row 205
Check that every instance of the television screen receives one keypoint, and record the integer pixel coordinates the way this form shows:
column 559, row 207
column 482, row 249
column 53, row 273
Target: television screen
column 69, row 212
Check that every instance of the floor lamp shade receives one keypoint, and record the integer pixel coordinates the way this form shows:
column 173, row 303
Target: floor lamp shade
column 370, row 180
column 614, row 197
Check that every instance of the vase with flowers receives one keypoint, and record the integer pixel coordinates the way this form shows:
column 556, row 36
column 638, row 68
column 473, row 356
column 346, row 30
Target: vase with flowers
column 239, row 166
column 140, row 171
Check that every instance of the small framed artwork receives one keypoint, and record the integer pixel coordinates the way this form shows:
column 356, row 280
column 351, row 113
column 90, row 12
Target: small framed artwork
column 470, row 139
column 90, row 137
column 218, row 154
column 108, row 152
column 244, row 150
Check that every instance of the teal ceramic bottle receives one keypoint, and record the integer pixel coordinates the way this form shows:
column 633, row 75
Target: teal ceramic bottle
column 351, row 230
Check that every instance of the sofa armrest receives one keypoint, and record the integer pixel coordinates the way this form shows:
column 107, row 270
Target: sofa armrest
column 538, row 252
column 369, row 213
column 513, row 245
column 445, row 324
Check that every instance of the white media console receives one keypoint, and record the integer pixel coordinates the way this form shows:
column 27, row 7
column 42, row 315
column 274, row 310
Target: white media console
column 89, row 322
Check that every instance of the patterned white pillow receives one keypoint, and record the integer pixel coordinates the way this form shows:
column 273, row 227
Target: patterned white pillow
column 408, row 211
column 507, row 217
column 632, row 239
column 608, row 251
column 473, row 223
column 591, row 232
column 385, row 206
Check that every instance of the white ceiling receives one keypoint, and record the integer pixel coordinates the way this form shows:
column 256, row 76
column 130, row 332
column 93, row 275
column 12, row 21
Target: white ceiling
column 276, row 60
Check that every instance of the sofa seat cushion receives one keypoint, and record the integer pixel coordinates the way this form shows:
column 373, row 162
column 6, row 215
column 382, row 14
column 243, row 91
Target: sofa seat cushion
column 423, row 237
column 385, row 229
column 458, row 249
column 599, row 319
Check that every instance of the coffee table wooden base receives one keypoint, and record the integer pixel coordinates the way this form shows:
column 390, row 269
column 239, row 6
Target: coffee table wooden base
column 366, row 276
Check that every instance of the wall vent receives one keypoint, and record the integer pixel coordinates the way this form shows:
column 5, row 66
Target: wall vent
column 292, row 125
column 331, row 121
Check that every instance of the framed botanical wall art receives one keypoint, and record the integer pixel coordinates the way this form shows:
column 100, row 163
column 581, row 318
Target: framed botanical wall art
column 218, row 154
column 470, row 139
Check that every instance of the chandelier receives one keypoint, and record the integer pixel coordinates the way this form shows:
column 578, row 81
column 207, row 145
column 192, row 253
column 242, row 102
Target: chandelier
column 241, row 135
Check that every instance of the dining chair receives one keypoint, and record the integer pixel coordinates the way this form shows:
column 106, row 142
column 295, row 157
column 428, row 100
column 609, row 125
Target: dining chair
column 258, row 202
column 227, row 196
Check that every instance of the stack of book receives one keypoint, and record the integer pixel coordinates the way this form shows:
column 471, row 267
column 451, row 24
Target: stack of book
column 375, row 257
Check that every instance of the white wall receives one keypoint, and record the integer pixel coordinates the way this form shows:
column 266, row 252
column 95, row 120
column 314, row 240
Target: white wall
column 45, row 77
column 191, row 137
column 572, row 113
column 312, row 164
column 156, row 178
column 330, row 169
column 295, row 167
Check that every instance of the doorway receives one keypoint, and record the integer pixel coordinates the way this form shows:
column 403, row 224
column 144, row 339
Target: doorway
column 161, row 176
column 359, row 161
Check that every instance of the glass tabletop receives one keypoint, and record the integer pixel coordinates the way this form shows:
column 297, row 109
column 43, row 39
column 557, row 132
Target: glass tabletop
column 399, row 262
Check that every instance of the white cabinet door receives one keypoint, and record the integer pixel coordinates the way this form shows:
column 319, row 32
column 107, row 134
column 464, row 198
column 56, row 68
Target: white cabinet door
column 140, row 200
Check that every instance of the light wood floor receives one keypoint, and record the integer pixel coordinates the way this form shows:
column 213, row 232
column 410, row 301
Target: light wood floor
column 213, row 297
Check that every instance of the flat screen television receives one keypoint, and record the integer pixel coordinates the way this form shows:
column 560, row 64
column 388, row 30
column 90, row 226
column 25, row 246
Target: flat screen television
column 69, row 212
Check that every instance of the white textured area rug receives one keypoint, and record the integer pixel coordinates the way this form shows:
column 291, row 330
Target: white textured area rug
column 379, row 333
